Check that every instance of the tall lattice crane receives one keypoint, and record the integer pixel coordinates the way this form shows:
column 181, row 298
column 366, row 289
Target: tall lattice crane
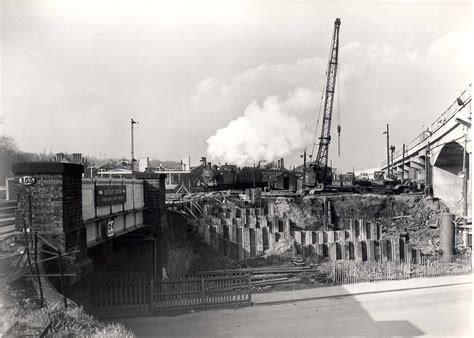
column 323, row 174
column 325, row 139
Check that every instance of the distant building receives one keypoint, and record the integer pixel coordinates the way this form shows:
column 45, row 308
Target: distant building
column 185, row 163
column 287, row 181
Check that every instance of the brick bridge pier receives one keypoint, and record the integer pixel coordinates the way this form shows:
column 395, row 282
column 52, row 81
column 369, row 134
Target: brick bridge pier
column 69, row 213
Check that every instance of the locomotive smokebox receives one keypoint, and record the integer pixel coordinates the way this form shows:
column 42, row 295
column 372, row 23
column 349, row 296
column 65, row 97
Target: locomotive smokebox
column 208, row 174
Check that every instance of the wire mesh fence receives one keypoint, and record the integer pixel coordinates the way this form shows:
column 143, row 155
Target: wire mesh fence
column 351, row 272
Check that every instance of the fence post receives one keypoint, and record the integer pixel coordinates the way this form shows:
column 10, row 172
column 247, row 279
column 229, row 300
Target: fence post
column 151, row 301
column 203, row 295
column 250, row 287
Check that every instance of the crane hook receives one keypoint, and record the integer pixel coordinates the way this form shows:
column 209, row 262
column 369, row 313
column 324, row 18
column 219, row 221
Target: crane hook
column 339, row 140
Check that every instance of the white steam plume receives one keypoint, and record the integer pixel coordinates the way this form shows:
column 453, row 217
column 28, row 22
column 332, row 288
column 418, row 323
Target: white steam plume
column 265, row 132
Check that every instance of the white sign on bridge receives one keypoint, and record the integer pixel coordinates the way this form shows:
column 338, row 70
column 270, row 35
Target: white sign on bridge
column 26, row 180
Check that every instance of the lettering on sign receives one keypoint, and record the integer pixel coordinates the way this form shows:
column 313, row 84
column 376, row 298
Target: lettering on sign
column 110, row 228
column 26, row 180
column 110, row 194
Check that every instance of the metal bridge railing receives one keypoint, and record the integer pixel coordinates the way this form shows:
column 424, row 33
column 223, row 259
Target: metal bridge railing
column 450, row 112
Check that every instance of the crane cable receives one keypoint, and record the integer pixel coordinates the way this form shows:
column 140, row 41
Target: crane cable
column 339, row 114
column 317, row 122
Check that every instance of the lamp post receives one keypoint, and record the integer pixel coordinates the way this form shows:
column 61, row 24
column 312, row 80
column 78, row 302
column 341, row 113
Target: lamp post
column 387, row 132
column 464, row 178
column 428, row 188
column 392, row 150
column 403, row 164
column 132, row 162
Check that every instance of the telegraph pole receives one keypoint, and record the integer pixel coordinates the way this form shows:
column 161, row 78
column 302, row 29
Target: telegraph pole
column 304, row 169
column 132, row 162
column 428, row 187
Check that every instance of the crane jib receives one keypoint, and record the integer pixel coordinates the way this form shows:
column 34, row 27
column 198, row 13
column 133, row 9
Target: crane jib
column 322, row 171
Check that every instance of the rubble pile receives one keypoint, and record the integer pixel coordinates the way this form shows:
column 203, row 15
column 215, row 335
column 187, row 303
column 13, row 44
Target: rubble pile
column 297, row 211
column 320, row 273
column 416, row 216
column 283, row 248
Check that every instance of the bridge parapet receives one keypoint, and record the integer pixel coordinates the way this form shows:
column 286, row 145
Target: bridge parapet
column 110, row 207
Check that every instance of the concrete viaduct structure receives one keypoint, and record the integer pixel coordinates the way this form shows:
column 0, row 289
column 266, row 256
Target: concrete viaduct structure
column 441, row 156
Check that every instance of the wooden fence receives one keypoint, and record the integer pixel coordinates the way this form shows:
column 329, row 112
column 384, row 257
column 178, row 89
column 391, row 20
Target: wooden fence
column 151, row 297
column 351, row 272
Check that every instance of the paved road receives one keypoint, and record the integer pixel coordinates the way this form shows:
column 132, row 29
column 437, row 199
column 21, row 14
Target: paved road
column 436, row 311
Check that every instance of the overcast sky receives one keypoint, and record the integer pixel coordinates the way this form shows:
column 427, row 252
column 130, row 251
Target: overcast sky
column 73, row 73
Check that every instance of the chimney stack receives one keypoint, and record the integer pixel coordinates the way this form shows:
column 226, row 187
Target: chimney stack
column 77, row 157
column 282, row 163
column 60, row 157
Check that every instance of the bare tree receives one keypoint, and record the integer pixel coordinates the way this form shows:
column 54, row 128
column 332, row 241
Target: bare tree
column 9, row 154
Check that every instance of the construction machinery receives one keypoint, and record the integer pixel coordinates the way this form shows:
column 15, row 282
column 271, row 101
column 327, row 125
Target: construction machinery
column 320, row 174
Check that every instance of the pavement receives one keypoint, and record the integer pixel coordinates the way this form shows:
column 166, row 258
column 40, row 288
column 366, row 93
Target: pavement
column 357, row 289
column 438, row 306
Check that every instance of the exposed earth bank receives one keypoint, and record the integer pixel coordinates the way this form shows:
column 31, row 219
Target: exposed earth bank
column 396, row 213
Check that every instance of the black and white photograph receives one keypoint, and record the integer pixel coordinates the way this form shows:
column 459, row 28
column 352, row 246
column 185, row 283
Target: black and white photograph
column 235, row 168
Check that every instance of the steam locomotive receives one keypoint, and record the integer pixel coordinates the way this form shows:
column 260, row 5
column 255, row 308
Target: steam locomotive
column 230, row 176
